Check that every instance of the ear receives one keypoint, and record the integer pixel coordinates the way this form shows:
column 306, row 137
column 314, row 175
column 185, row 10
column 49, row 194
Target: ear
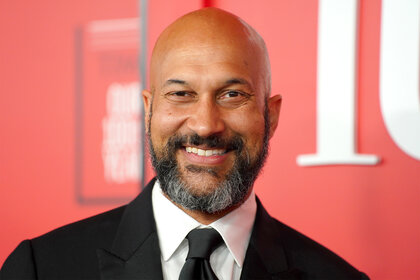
column 147, row 102
column 274, row 104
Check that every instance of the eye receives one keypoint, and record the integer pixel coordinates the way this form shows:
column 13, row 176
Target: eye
column 180, row 93
column 233, row 98
column 232, row 93
column 180, row 96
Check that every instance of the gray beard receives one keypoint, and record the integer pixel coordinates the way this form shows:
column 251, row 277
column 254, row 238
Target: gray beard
column 232, row 190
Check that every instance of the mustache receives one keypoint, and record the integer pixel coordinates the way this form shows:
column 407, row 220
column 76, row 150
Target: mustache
column 213, row 141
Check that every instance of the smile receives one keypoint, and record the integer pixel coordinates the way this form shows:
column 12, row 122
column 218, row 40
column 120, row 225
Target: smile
column 206, row 153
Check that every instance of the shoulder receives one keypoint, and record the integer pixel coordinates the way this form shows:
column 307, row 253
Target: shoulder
column 64, row 251
column 70, row 252
column 302, row 254
column 19, row 265
column 302, row 251
column 95, row 230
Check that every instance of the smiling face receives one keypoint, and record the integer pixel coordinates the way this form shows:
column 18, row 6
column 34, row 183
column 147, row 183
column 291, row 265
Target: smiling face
column 208, row 115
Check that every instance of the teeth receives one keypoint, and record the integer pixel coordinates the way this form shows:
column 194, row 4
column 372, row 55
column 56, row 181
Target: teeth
column 206, row 153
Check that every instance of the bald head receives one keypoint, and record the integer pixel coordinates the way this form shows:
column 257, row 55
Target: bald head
column 213, row 29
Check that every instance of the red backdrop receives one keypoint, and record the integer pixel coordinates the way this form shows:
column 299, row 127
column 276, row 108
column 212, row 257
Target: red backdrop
column 368, row 214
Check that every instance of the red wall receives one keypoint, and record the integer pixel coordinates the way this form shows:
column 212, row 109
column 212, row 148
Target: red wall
column 370, row 215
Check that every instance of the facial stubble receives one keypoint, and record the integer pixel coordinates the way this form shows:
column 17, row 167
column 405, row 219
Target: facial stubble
column 232, row 189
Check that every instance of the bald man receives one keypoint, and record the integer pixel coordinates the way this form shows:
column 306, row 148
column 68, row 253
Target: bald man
column 209, row 117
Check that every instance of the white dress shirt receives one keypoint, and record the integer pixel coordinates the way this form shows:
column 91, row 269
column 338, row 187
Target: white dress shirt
column 173, row 225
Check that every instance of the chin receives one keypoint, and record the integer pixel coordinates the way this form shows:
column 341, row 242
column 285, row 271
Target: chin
column 201, row 184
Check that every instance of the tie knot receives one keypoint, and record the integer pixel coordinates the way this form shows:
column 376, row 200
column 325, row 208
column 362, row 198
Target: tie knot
column 203, row 242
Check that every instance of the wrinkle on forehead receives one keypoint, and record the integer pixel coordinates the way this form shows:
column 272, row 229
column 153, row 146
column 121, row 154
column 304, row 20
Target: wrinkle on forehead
column 209, row 29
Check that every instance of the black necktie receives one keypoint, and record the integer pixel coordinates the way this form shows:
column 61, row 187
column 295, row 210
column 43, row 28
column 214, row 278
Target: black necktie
column 201, row 242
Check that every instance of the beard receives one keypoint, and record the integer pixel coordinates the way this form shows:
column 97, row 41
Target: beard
column 232, row 190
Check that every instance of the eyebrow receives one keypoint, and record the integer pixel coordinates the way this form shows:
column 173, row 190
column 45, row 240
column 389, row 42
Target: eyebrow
column 233, row 81
column 237, row 81
column 175, row 81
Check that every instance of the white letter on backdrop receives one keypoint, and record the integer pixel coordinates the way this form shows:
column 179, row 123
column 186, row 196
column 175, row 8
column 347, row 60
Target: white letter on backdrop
column 399, row 73
column 336, row 86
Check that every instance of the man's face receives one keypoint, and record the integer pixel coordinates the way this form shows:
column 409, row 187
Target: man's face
column 208, row 120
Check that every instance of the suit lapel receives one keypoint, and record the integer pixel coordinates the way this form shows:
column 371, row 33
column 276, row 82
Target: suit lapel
column 265, row 257
column 135, row 252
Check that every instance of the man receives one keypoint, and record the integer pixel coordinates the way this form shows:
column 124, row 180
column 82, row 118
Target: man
column 209, row 116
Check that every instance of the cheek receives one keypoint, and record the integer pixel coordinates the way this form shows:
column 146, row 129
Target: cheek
column 250, row 125
column 165, row 122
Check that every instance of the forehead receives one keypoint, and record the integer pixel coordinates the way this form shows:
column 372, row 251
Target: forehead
column 206, row 61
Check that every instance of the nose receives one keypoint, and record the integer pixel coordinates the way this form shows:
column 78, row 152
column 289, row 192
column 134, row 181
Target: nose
column 205, row 119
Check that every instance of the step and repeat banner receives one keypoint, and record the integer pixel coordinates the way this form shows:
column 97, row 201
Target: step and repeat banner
column 344, row 164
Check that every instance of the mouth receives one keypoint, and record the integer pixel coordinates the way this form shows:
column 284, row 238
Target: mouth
column 205, row 152
column 205, row 155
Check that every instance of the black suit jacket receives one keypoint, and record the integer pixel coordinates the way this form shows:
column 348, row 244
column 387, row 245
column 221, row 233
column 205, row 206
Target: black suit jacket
column 123, row 244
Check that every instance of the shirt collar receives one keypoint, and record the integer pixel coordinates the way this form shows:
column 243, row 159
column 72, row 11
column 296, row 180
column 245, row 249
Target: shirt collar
column 235, row 227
